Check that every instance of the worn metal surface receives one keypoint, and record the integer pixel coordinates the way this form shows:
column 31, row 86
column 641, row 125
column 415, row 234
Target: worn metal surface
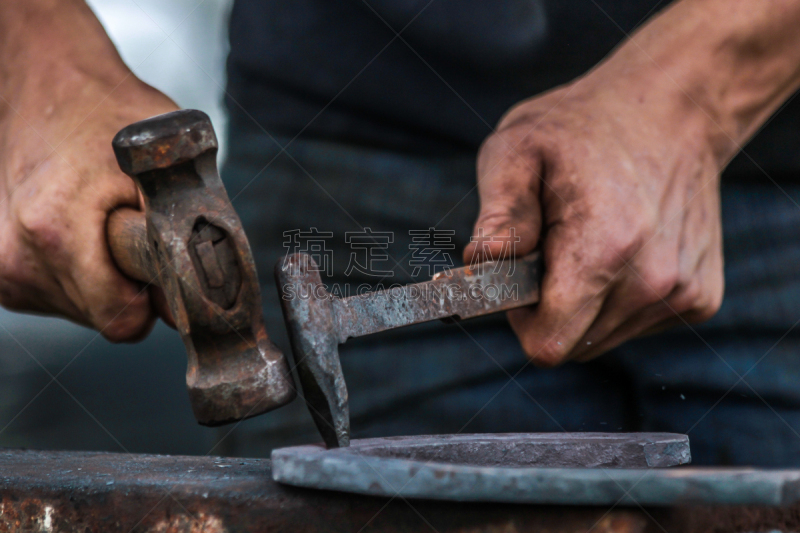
column 517, row 450
column 470, row 469
column 100, row 492
column 195, row 243
column 318, row 322
column 458, row 293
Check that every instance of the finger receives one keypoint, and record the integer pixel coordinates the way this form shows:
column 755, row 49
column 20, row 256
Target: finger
column 644, row 282
column 20, row 291
column 638, row 301
column 688, row 303
column 117, row 306
column 161, row 306
column 625, row 304
column 663, row 325
column 509, row 221
column 676, row 310
column 653, row 319
column 700, row 295
column 573, row 293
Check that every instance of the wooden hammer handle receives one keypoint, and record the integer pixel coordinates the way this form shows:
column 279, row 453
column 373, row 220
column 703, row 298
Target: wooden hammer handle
column 127, row 238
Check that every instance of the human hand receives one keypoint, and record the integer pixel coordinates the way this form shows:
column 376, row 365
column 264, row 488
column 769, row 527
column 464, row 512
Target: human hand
column 59, row 181
column 619, row 187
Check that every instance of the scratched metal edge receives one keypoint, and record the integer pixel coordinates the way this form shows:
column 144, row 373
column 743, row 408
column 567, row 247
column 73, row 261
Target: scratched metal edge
column 566, row 486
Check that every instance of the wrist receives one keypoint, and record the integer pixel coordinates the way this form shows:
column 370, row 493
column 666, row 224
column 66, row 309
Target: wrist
column 46, row 44
column 720, row 66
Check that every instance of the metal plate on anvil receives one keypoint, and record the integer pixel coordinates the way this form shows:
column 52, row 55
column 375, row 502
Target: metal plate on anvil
column 557, row 468
column 553, row 468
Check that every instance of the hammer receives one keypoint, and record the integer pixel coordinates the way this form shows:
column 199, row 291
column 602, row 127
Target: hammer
column 318, row 322
column 190, row 242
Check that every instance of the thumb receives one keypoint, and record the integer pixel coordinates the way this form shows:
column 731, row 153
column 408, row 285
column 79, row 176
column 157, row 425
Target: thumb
column 510, row 218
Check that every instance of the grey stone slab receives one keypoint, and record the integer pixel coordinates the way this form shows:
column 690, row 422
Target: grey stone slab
column 506, row 468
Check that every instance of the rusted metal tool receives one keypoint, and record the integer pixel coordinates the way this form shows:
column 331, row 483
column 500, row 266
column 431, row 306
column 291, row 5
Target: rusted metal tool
column 190, row 242
column 318, row 322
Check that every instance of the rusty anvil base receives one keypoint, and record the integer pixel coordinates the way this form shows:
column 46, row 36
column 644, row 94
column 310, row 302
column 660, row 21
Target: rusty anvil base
column 129, row 493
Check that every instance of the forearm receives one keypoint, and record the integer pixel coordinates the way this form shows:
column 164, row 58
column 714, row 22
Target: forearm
column 46, row 40
column 725, row 64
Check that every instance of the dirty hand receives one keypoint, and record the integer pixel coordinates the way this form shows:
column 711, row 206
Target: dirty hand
column 616, row 177
column 624, row 206
column 59, row 180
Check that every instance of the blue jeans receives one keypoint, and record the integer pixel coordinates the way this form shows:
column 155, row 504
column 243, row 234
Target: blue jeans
column 732, row 384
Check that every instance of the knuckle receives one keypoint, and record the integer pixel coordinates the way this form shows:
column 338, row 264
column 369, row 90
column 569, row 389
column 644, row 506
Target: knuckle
column 661, row 282
column 715, row 303
column 490, row 146
column 693, row 298
column 513, row 136
column 38, row 228
column 494, row 216
column 708, row 307
column 624, row 245
column 547, row 356
column 511, row 143
column 613, row 255
column 698, row 302
column 627, row 237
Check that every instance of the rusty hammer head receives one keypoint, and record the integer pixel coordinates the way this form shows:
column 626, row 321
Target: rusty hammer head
column 203, row 263
column 313, row 333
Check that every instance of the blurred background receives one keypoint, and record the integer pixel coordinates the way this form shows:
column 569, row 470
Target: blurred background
column 63, row 386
